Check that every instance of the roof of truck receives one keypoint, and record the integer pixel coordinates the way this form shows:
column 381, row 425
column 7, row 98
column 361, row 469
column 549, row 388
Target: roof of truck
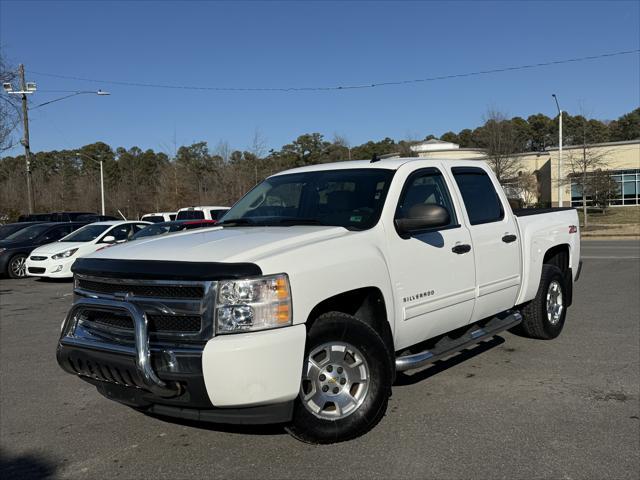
column 386, row 163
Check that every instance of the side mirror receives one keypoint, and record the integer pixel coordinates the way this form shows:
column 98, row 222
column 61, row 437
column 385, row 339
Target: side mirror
column 109, row 239
column 422, row 217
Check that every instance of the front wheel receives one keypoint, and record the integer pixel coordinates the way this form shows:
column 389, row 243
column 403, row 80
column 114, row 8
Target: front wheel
column 346, row 381
column 17, row 267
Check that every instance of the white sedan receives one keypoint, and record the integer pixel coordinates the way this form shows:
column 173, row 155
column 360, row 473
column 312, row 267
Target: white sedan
column 54, row 260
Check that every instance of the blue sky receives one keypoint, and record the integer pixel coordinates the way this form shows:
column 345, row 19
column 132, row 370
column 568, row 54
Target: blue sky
column 275, row 44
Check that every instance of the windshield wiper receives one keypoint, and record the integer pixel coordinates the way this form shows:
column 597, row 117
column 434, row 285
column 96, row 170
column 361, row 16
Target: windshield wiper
column 290, row 221
column 235, row 222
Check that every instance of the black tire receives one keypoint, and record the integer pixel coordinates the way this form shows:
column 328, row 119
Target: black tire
column 535, row 320
column 339, row 327
column 12, row 266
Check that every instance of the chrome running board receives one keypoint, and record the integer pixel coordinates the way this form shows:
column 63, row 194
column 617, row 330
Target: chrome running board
column 447, row 347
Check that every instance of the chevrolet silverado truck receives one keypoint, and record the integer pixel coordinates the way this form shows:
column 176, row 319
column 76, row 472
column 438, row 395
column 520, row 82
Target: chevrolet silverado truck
column 317, row 288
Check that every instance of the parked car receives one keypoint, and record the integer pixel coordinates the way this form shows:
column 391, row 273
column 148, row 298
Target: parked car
column 55, row 259
column 15, row 249
column 159, row 217
column 170, row 227
column 9, row 228
column 323, row 283
column 57, row 217
column 201, row 213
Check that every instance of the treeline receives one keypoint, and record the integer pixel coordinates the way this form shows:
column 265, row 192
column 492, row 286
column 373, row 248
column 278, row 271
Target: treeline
column 139, row 181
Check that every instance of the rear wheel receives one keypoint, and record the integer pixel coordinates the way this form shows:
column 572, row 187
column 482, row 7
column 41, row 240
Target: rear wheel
column 346, row 381
column 544, row 316
column 17, row 267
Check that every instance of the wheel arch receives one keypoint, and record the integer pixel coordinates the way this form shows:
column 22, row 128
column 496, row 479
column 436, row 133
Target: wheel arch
column 367, row 304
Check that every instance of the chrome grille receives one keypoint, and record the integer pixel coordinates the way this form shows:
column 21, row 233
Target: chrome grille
column 177, row 311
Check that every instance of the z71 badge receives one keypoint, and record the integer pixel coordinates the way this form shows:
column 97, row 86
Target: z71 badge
column 418, row 296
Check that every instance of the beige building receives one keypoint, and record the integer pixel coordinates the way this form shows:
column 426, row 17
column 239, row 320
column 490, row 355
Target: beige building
column 622, row 160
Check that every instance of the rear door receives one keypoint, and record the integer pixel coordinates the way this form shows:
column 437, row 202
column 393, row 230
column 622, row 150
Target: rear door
column 432, row 270
column 495, row 242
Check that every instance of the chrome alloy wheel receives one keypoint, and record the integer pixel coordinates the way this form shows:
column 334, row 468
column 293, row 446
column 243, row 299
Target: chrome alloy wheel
column 554, row 302
column 19, row 267
column 335, row 382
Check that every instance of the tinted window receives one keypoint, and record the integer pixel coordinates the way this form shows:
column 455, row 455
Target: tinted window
column 479, row 195
column 28, row 233
column 426, row 188
column 156, row 229
column 216, row 214
column 190, row 215
column 7, row 230
column 57, row 233
column 85, row 234
column 121, row 232
column 350, row 198
column 153, row 218
column 172, row 216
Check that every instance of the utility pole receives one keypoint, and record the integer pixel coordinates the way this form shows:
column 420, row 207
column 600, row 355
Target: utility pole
column 25, row 140
column 560, row 165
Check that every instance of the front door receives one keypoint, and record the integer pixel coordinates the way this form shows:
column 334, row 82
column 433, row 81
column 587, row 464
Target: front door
column 434, row 285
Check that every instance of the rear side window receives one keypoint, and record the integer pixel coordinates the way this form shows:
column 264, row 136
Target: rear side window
column 480, row 198
column 190, row 215
column 153, row 218
column 216, row 214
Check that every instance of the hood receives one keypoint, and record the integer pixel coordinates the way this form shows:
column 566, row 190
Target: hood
column 230, row 244
column 57, row 247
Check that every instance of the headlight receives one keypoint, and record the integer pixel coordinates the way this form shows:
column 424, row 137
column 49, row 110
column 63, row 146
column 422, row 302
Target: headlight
column 253, row 304
column 66, row 254
column 2, row 250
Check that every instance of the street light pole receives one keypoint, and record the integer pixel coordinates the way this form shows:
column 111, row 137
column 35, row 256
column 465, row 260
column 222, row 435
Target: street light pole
column 27, row 88
column 560, row 165
column 78, row 154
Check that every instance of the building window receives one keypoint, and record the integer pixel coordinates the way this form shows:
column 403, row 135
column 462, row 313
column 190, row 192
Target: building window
column 628, row 189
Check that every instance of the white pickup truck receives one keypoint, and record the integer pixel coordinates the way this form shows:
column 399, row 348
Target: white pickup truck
column 319, row 285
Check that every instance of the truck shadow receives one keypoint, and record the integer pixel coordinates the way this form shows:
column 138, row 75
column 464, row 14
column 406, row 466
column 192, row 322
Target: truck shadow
column 259, row 430
column 404, row 379
column 26, row 466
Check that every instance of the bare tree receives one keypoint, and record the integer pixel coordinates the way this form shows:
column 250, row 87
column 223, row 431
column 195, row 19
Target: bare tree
column 342, row 141
column 583, row 162
column 9, row 107
column 499, row 138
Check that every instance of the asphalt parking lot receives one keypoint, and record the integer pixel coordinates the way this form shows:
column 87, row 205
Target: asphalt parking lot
column 509, row 408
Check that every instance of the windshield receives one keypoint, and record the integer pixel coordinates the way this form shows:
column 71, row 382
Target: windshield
column 28, row 233
column 86, row 234
column 190, row 215
column 350, row 198
column 157, row 229
column 7, row 230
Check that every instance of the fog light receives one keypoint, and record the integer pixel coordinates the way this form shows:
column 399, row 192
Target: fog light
column 57, row 269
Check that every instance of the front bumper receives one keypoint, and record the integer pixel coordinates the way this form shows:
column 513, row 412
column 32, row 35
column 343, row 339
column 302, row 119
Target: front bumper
column 50, row 268
column 242, row 378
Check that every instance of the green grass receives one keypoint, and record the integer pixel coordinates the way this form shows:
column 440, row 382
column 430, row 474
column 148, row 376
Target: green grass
column 615, row 215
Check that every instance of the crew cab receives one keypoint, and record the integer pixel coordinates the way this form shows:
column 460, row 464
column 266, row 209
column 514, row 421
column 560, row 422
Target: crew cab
column 318, row 287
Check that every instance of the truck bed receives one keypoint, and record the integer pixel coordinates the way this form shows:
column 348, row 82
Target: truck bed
column 524, row 212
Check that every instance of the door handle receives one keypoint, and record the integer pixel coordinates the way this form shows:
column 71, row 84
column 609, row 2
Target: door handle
column 509, row 238
column 460, row 249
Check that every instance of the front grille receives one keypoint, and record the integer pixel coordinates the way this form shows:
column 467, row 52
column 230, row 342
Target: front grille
column 159, row 291
column 37, row 259
column 36, row 270
column 158, row 323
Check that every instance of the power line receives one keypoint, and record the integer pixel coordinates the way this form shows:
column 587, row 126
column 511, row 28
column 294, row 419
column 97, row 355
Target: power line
column 339, row 87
